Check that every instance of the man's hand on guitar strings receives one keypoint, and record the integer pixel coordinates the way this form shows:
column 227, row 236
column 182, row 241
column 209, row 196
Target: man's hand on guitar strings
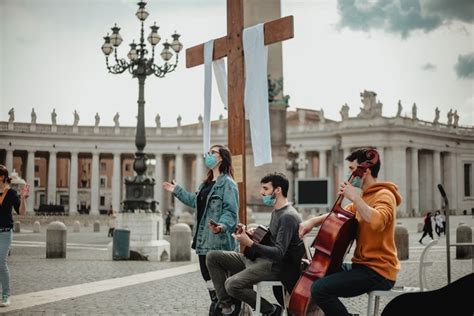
column 243, row 238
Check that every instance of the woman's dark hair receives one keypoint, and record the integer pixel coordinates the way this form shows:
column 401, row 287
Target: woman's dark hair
column 360, row 156
column 4, row 173
column 226, row 163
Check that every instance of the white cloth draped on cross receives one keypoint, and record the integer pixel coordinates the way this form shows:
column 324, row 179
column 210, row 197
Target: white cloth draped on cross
column 256, row 92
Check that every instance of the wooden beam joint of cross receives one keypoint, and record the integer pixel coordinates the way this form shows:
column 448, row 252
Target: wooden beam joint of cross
column 231, row 46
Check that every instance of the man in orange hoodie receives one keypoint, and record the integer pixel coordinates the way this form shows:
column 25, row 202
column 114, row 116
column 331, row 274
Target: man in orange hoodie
column 375, row 264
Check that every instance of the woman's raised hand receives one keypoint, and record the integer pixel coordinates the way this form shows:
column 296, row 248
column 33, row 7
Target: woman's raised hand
column 25, row 191
column 169, row 186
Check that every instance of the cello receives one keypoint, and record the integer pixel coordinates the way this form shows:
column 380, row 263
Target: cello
column 331, row 244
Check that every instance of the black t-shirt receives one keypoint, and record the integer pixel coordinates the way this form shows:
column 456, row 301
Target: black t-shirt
column 201, row 205
column 10, row 202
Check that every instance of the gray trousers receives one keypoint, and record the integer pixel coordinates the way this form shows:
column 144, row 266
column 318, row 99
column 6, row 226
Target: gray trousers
column 234, row 275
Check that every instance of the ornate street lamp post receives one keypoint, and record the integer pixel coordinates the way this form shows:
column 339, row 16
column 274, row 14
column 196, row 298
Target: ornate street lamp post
column 295, row 164
column 139, row 190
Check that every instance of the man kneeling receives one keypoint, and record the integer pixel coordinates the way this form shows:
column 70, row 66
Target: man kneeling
column 278, row 260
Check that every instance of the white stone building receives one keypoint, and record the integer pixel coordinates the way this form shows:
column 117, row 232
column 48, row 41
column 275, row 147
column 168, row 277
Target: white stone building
column 415, row 154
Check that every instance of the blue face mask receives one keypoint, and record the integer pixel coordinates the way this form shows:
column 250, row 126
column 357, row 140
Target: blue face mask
column 210, row 161
column 269, row 200
column 356, row 181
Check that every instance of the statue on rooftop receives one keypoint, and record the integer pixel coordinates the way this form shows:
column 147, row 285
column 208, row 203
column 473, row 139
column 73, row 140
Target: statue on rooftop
column 399, row 109
column 116, row 119
column 33, row 116
column 456, row 118
column 413, row 111
column 53, row 117
column 11, row 115
column 97, row 119
column 158, row 120
column 450, row 117
column 344, row 112
column 76, row 118
column 436, row 119
column 371, row 108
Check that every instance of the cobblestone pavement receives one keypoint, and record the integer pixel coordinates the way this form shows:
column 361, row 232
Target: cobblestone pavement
column 184, row 294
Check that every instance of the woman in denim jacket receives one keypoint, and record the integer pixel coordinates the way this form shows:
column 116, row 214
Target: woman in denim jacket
column 217, row 205
column 9, row 201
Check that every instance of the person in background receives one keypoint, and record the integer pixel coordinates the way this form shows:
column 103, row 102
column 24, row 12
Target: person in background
column 217, row 205
column 443, row 221
column 111, row 215
column 168, row 223
column 438, row 223
column 427, row 227
column 9, row 201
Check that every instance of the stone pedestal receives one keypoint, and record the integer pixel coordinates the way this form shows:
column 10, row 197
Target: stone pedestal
column 76, row 227
column 56, row 240
column 463, row 235
column 180, row 237
column 96, row 226
column 401, row 242
column 16, row 227
column 146, row 234
column 36, row 227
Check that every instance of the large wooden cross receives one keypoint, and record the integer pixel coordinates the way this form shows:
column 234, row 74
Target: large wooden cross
column 232, row 47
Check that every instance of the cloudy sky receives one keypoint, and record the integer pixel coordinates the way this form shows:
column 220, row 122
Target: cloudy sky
column 410, row 50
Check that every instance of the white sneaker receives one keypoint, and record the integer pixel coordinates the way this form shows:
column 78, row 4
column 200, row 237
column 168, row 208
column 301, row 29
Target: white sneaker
column 5, row 301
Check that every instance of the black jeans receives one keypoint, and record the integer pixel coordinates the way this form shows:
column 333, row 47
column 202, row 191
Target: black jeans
column 204, row 270
column 353, row 280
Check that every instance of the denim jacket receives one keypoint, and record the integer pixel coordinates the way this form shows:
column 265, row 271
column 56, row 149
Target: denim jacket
column 222, row 206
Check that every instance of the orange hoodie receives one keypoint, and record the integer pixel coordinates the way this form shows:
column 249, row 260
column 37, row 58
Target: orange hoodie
column 375, row 242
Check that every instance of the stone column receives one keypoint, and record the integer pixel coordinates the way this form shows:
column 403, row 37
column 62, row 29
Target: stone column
column 9, row 160
column 415, row 186
column 73, row 179
column 381, row 151
column 301, row 157
column 52, row 178
column 159, row 178
column 179, row 174
column 323, row 164
column 399, row 175
column 95, row 184
column 199, row 169
column 345, row 165
column 116, row 182
column 450, row 170
column 30, row 179
column 436, row 179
